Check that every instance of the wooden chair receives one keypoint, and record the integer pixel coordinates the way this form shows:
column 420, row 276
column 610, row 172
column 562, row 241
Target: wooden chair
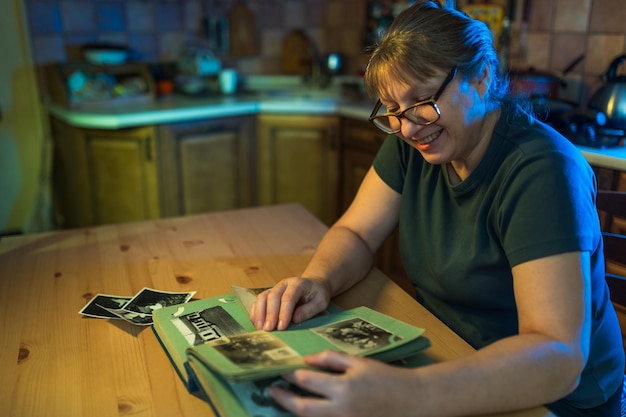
column 612, row 204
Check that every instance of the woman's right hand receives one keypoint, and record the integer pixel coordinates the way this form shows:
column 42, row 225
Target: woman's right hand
column 290, row 300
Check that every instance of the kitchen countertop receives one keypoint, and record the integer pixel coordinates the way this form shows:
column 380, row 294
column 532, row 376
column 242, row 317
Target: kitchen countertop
column 179, row 108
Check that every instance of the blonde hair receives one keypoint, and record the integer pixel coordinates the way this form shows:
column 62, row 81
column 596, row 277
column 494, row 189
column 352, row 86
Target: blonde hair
column 427, row 38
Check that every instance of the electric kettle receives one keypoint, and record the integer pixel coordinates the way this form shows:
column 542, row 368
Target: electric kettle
column 610, row 99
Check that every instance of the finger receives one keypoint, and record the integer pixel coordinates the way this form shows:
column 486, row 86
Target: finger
column 319, row 383
column 275, row 306
column 331, row 360
column 297, row 404
column 291, row 297
column 308, row 309
column 310, row 299
column 258, row 309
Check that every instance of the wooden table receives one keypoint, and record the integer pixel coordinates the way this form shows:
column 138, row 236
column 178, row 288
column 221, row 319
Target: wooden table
column 55, row 362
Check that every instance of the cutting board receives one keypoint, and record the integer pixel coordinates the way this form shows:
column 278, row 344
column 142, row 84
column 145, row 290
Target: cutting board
column 243, row 36
column 297, row 53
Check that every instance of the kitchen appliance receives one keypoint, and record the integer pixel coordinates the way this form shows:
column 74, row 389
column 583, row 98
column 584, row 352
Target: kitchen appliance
column 610, row 99
column 588, row 128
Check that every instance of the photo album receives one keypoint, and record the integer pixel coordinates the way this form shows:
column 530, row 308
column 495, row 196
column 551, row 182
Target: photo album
column 216, row 349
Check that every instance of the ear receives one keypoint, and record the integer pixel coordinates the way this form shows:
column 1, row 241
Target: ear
column 483, row 82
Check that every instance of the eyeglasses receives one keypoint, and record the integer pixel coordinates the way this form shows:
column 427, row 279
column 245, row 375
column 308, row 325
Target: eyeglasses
column 423, row 112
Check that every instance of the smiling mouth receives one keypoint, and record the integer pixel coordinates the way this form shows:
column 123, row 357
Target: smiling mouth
column 430, row 138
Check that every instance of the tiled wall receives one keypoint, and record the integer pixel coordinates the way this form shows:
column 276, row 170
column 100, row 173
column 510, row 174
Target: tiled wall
column 557, row 31
column 155, row 30
column 560, row 30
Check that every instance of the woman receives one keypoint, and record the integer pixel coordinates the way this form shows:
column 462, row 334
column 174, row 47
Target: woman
column 498, row 233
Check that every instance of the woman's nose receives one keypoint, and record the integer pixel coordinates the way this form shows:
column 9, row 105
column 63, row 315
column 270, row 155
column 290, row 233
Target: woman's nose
column 408, row 128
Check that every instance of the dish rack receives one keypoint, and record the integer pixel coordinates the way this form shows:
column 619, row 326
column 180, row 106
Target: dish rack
column 83, row 85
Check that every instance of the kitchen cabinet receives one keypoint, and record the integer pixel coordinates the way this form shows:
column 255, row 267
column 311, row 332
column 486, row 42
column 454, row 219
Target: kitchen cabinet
column 207, row 165
column 153, row 171
column 298, row 161
column 359, row 144
column 104, row 176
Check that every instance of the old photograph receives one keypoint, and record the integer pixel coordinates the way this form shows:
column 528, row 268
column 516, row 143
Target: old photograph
column 261, row 349
column 355, row 336
column 209, row 324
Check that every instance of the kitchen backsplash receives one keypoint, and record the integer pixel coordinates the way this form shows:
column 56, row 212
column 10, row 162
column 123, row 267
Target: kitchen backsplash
column 556, row 32
column 155, row 30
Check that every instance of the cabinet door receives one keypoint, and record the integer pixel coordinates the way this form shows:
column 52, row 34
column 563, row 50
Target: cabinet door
column 121, row 167
column 104, row 176
column 298, row 162
column 207, row 165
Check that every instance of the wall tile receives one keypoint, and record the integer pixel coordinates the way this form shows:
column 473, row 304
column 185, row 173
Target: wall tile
column 357, row 11
column 140, row 17
column 538, row 53
column 170, row 44
column 608, row 16
column 296, row 13
column 572, row 15
column 111, row 17
column 168, row 17
column 569, row 47
column 272, row 42
column 541, row 14
column 143, row 47
column 44, row 18
column 334, row 16
column 78, row 16
column 157, row 29
column 601, row 50
column 48, row 48
column 269, row 15
column 192, row 16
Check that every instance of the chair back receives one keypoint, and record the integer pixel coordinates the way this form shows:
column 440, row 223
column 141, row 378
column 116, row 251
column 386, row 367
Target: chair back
column 612, row 205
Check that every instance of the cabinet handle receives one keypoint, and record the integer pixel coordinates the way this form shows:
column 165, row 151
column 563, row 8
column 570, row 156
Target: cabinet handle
column 148, row 142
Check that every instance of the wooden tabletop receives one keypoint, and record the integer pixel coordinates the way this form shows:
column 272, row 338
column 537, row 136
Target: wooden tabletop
column 56, row 362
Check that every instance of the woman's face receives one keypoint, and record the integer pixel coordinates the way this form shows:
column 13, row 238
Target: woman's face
column 456, row 136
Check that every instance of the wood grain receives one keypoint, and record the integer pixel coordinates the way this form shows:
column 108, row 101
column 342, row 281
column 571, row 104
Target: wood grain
column 57, row 363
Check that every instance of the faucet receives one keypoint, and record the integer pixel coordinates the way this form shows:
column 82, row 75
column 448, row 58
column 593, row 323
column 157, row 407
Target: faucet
column 318, row 77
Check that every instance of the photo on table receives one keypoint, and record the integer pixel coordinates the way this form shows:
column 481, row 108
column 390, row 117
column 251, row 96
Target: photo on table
column 98, row 305
column 147, row 300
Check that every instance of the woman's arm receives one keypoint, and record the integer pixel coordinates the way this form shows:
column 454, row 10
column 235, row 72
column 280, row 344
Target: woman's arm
column 539, row 365
column 342, row 258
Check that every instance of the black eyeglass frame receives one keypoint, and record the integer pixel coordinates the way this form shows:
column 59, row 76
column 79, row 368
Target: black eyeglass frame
column 399, row 115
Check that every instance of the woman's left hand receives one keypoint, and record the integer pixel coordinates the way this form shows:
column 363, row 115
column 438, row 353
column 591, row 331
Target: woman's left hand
column 353, row 386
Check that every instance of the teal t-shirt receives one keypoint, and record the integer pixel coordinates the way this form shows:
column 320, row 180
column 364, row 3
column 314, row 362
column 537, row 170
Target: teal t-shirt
column 531, row 196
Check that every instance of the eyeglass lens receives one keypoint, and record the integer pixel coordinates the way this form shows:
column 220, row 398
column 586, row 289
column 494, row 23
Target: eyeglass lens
column 422, row 114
